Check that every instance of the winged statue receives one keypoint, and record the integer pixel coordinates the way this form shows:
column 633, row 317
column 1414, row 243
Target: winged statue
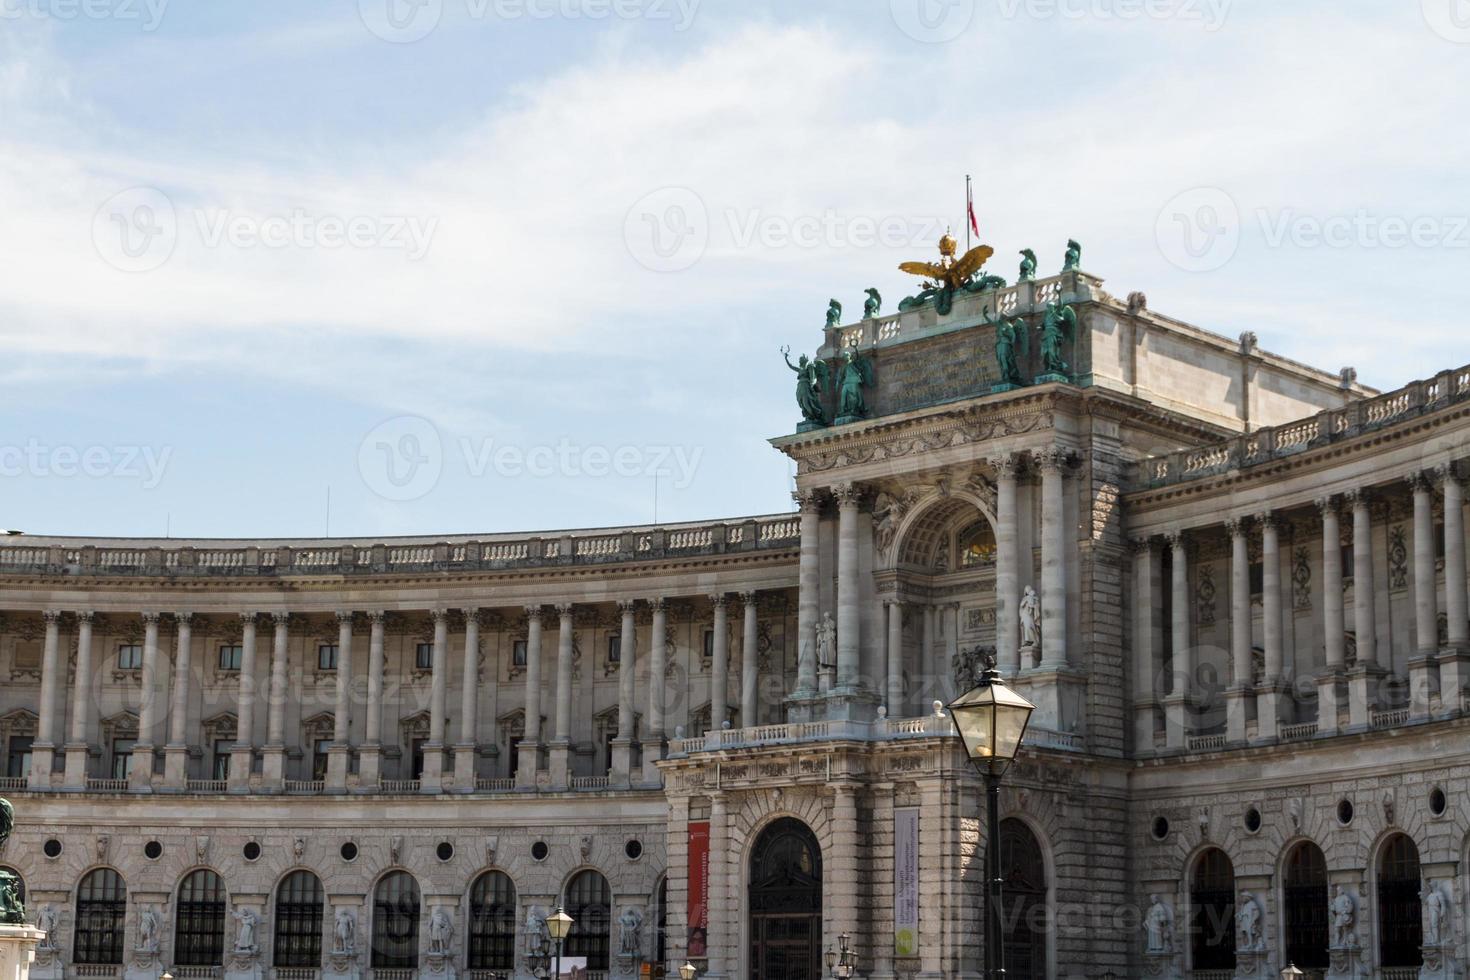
column 811, row 384
column 1058, row 327
column 1011, row 346
column 943, row 278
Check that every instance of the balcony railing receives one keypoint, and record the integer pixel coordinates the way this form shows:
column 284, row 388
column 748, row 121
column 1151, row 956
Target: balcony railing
column 196, row 972
column 1297, row 733
column 399, row 787
column 1206, row 743
column 96, row 971
column 484, row 785
column 304, row 787
column 1389, row 719
column 206, row 785
column 927, row 726
column 589, row 782
column 13, row 782
column 296, row 973
column 107, row 785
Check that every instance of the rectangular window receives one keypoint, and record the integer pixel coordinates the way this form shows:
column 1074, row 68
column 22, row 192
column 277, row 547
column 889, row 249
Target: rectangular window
column 417, row 760
column 515, row 756
column 1258, row 578
column 230, row 656
column 319, row 758
column 221, row 767
column 518, row 653
column 326, row 656
column 130, row 656
column 18, row 756
column 615, row 649
column 423, row 657
column 122, row 757
column 709, row 644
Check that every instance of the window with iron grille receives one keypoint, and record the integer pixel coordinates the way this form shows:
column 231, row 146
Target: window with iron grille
column 396, row 923
column 1305, row 891
column 492, row 938
column 1024, row 904
column 230, row 656
column 102, row 904
column 589, row 903
column 1400, row 928
column 130, row 656
column 299, row 904
column 199, row 935
column 1212, row 912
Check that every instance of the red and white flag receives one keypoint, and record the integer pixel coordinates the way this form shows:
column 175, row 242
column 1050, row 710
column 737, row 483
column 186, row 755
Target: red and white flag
column 974, row 225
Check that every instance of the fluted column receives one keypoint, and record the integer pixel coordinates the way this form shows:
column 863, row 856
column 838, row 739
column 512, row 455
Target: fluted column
column 1176, row 705
column 469, row 705
column 83, row 708
column 1053, row 560
column 559, row 755
column 1454, row 659
column 622, row 746
column 1242, row 684
column 893, row 689
column 1364, row 674
column 150, row 699
column 809, row 598
column 1007, row 566
column 1147, row 646
column 370, row 754
column 653, row 742
column 849, row 603
column 1330, row 679
column 43, row 749
column 932, row 670
column 273, row 756
column 431, row 779
column 530, row 748
column 719, row 670
column 242, row 754
column 951, row 613
column 721, row 914
column 340, row 753
column 1268, row 695
column 176, row 752
column 750, row 662
column 1423, row 666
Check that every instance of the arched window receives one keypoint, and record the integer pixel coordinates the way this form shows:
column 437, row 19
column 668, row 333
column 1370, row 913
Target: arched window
column 199, row 933
column 1400, row 929
column 396, row 923
column 589, row 903
column 1305, row 890
column 20, row 883
column 786, row 901
column 102, row 903
column 299, row 910
column 1212, row 912
column 977, row 545
column 1023, row 902
column 492, row 937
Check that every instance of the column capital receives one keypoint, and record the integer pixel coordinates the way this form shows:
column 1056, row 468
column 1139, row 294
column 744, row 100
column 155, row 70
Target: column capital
column 627, row 606
column 748, row 598
column 1052, row 459
column 1421, row 481
column 471, row 615
column 808, row 501
column 344, row 617
column 1237, row 527
column 1177, row 539
column 564, row 610
column 377, row 617
column 658, row 604
column 848, row 494
column 1326, row 505
column 84, row 615
column 534, row 612
column 150, row 618
column 439, row 615
column 183, row 618
column 1268, row 520
column 1447, row 473
column 1006, row 466
column 1360, row 497
column 248, row 618
column 281, row 619
column 53, row 616
column 1142, row 545
column 719, row 598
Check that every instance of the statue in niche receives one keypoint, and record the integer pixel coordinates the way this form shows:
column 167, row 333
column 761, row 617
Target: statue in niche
column 811, row 382
column 834, row 314
column 1074, row 256
column 245, row 932
column 1343, row 914
column 1030, row 612
column 46, row 921
column 440, row 932
column 1434, row 910
column 344, row 932
column 1028, row 266
column 826, row 642
column 1248, row 924
column 873, row 305
column 857, row 373
column 630, row 932
column 1159, row 924
column 1058, row 327
column 148, row 931
column 1012, row 342
column 537, row 939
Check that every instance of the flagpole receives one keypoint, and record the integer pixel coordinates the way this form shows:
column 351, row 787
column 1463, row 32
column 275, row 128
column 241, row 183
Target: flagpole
column 969, row 203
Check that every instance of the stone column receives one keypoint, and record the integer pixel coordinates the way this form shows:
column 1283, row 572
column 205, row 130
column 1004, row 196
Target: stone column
column 530, row 748
column 653, row 742
column 1148, row 659
column 560, row 754
column 750, row 662
column 1176, row 705
column 176, row 752
column 83, row 708
column 141, row 774
column 1053, row 560
column 951, row 613
column 1328, row 694
column 719, row 670
column 1423, row 662
column 469, row 705
column 273, row 755
column 721, row 916
column 431, row 780
column 370, row 755
column 842, row 867
column 1242, row 685
column 1268, row 695
column 929, row 658
column 622, row 746
column 43, row 749
column 340, row 754
column 1454, row 659
column 893, row 690
column 1363, row 677
column 849, row 603
column 242, row 754
column 809, row 599
column 1007, row 565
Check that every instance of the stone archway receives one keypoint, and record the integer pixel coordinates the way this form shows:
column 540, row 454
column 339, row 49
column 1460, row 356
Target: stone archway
column 785, row 903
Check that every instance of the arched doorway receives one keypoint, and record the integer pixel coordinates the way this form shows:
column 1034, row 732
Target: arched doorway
column 1304, row 888
column 1024, row 901
column 786, row 903
column 1212, row 912
column 1400, row 926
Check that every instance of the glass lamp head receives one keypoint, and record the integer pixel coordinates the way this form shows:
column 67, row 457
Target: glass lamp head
column 559, row 924
column 991, row 720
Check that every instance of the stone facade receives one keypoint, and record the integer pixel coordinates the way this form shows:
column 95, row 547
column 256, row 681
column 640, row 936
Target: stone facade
column 1234, row 587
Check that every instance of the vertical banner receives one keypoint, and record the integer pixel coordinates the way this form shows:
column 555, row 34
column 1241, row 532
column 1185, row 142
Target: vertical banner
column 698, row 889
column 906, row 881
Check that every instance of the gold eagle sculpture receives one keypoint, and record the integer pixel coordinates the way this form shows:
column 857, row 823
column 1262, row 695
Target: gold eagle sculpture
column 949, row 272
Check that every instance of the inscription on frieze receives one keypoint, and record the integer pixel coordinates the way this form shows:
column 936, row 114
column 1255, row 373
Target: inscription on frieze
column 929, row 372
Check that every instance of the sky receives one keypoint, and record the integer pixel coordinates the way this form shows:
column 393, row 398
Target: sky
column 382, row 267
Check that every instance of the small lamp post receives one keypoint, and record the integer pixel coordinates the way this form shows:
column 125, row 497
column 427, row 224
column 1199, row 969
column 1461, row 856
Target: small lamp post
column 1291, row 972
column 842, row 962
column 558, row 926
column 688, row 971
column 991, row 719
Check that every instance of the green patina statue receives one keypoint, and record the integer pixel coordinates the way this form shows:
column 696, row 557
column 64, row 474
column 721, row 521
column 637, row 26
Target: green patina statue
column 811, row 382
column 1057, row 328
column 1011, row 344
column 1074, row 256
column 984, row 282
column 873, row 305
column 857, row 372
column 1028, row 266
column 834, row 314
column 12, row 909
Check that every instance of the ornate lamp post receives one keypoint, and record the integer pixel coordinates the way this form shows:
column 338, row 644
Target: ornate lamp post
column 557, row 927
column 991, row 719
column 688, row 971
column 842, row 962
column 1291, row 972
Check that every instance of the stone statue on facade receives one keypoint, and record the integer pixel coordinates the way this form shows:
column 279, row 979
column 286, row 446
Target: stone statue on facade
column 1434, row 914
column 344, row 932
column 873, row 305
column 1030, row 613
column 1344, row 912
column 538, row 940
column 245, row 932
column 630, row 933
column 857, row 373
column 1074, row 256
column 1028, row 266
column 147, row 931
column 811, row 382
column 1248, row 924
column 826, row 643
column 1011, row 344
column 12, row 909
column 1057, row 328
column 834, row 314
column 441, row 932
column 1159, row 924
column 46, row 920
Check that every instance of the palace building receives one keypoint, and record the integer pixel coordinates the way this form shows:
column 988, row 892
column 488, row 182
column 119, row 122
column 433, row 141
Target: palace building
column 1233, row 585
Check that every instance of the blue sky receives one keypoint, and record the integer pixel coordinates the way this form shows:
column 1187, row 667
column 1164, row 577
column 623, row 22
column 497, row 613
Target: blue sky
column 427, row 258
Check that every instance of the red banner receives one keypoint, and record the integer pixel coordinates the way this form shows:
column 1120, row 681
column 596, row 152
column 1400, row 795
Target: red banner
column 698, row 889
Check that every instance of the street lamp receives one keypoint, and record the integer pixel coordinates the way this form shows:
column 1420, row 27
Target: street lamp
column 1291, row 972
column 991, row 719
column 558, row 926
column 844, row 964
column 688, row 971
